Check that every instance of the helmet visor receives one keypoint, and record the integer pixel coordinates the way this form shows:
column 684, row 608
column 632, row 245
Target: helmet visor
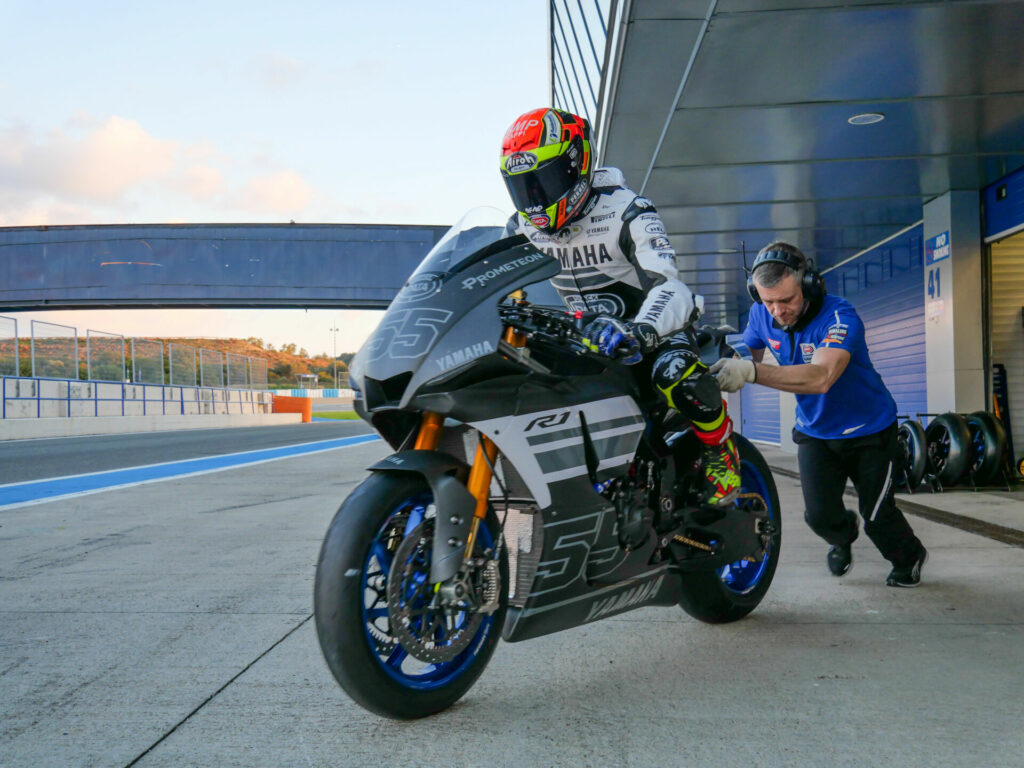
column 543, row 186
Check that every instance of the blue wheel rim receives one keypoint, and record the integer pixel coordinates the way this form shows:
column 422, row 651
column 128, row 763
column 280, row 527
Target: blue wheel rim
column 742, row 576
column 388, row 653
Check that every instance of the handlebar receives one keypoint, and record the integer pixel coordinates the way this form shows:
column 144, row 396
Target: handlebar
column 551, row 326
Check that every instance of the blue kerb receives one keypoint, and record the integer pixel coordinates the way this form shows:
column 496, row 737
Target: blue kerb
column 17, row 493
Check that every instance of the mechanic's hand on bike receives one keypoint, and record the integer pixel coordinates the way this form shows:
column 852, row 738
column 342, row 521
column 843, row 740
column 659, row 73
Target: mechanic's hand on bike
column 732, row 373
column 620, row 339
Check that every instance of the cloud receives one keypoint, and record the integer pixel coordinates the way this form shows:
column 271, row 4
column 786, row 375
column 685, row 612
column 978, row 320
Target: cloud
column 202, row 183
column 285, row 192
column 98, row 162
column 278, row 72
column 110, row 170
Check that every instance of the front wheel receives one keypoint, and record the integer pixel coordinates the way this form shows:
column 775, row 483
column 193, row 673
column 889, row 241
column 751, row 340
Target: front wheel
column 381, row 630
column 730, row 593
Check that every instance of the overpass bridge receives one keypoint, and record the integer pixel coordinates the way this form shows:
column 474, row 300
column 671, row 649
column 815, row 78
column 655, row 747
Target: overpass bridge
column 342, row 266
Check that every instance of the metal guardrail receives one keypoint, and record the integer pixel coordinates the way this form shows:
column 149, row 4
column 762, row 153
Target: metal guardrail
column 155, row 399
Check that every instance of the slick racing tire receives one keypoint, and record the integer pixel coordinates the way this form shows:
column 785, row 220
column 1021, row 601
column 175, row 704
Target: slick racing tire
column 987, row 447
column 949, row 445
column 384, row 525
column 730, row 593
column 913, row 450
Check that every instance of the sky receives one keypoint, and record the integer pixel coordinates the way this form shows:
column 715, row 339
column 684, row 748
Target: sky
column 318, row 112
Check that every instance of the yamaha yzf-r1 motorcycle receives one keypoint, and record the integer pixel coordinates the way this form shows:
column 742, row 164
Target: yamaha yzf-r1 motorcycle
column 497, row 411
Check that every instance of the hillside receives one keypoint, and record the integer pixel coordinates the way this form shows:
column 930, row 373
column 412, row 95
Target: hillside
column 282, row 364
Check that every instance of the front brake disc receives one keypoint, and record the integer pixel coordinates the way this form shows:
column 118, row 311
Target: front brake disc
column 429, row 631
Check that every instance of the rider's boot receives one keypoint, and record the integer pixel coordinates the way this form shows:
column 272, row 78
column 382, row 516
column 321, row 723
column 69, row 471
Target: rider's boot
column 721, row 460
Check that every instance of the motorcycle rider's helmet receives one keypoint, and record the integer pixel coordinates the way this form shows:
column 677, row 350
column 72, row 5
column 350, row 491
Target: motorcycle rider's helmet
column 547, row 165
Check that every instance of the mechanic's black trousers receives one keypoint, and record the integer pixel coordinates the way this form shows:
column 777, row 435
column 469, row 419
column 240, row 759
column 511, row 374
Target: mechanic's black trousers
column 868, row 461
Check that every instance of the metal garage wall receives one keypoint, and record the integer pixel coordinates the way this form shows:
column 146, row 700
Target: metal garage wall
column 760, row 410
column 886, row 286
column 1006, row 333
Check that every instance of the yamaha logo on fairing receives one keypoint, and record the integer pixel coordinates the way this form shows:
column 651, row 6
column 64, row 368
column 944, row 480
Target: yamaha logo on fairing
column 419, row 287
column 628, row 599
column 509, row 266
column 520, row 162
column 464, row 355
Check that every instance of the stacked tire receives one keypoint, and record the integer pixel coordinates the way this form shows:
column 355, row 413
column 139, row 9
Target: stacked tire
column 953, row 449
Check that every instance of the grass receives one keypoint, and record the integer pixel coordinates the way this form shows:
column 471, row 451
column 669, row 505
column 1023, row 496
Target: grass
column 337, row 415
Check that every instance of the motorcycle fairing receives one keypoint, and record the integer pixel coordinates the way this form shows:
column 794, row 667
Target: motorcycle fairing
column 442, row 322
column 545, row 446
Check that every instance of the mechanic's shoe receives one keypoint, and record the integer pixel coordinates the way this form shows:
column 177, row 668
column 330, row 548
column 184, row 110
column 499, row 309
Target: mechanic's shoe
column 908, row 575
column 721, row 468
column 840, row 559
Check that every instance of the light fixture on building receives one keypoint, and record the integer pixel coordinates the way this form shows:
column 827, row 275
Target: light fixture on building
column 866, row 118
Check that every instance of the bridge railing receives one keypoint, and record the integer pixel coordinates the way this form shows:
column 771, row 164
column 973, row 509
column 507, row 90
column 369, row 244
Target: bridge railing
column 43, row 397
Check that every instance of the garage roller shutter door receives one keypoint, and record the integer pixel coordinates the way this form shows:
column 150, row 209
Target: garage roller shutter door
column 886, row 286
column 760, row 407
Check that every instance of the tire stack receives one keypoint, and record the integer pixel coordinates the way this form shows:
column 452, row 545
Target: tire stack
column 954, row 449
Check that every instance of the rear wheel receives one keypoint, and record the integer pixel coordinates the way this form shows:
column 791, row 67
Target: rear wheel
column 384, row 638
column 730, row 593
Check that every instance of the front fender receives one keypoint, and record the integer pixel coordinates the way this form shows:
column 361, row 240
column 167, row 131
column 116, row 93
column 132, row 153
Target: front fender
column 455, row 505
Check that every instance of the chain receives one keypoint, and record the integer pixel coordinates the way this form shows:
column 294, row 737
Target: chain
column 704, row 547
column 692, row 543
column 757, row 496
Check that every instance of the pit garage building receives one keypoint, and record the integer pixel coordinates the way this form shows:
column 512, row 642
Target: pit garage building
column 885, row 139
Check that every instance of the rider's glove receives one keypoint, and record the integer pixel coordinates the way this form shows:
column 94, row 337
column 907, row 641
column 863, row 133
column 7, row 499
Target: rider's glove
column 620, row 339
column 732, row 373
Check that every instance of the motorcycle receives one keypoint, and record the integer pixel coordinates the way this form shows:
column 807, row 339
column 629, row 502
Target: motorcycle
column 493, row 406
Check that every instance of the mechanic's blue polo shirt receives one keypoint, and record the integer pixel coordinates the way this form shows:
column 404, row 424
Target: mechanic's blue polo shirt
column 858, row 402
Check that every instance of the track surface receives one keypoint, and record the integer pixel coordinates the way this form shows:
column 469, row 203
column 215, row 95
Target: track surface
column 168, row 624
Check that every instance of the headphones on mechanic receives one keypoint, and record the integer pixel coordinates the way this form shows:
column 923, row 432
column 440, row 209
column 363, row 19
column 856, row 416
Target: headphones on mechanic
column 813, row 283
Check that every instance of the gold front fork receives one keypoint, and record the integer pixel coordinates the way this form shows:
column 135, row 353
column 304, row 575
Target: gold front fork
column 480, row 475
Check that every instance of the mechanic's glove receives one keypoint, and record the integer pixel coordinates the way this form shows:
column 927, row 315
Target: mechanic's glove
column 732, row 373
column 620, row 339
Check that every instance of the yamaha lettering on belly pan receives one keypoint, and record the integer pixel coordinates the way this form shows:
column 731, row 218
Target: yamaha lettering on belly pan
column 496, row 411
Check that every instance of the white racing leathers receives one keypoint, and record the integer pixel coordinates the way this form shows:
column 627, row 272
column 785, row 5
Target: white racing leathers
column 616, row 259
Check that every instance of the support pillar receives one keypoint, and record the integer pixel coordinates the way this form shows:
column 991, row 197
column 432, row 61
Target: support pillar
column 954, row 361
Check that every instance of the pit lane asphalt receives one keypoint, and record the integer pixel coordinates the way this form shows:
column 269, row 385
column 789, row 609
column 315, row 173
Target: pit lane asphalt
column 23, row 460
column 168, row 624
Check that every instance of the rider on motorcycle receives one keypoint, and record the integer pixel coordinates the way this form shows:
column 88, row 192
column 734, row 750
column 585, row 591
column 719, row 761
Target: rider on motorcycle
column 616, row 260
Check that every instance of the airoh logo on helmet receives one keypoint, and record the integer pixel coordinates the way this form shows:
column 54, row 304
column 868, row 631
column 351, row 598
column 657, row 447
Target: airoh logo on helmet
column 520, row 162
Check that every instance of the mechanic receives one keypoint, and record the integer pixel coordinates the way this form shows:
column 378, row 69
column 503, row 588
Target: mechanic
column 617, row 261
column 845, row 416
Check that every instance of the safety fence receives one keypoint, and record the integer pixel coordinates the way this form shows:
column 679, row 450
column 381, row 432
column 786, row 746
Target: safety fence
column 39, row 397
column 56, row 351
